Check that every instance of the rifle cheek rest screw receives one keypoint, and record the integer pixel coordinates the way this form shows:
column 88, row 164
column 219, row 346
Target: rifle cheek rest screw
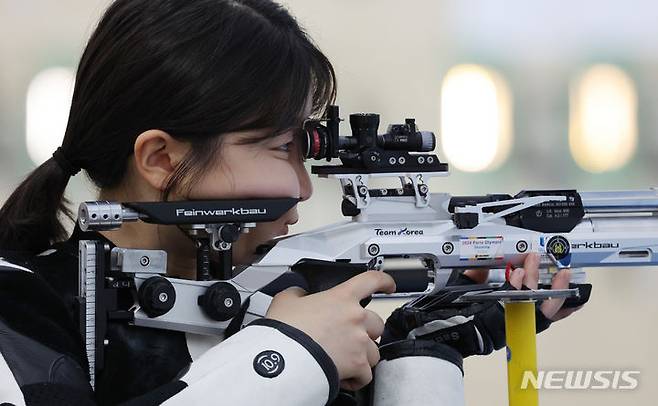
column 156, row 296
column 221, row 301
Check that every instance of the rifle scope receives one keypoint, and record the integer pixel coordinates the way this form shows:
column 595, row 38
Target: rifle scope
column 322, row 141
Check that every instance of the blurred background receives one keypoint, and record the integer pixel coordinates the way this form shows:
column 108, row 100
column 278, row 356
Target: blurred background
column 540, row 94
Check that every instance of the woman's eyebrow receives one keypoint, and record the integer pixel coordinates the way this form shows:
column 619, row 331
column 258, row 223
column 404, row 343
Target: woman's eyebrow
column 253, row 136
column 287, row 133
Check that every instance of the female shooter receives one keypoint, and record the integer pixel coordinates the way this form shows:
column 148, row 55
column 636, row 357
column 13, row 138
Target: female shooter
column 181, row 100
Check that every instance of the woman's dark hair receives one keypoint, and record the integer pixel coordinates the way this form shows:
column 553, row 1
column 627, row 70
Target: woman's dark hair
column 195, row 69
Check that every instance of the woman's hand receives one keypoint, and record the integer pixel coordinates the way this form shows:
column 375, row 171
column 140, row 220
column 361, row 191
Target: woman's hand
column 479, row 328
column 529, row 276
column 335, row 320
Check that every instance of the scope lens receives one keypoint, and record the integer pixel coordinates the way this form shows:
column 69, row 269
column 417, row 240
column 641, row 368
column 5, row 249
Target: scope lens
column 315, row 140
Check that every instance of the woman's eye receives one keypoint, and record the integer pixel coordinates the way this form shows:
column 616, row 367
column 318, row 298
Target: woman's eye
column 287, row 147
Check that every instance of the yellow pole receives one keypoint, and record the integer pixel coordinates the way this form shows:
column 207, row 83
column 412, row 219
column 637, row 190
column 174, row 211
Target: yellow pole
column 521, row 335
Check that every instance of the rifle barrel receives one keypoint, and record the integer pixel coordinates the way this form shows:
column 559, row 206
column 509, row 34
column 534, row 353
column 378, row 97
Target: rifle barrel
column 626, row 201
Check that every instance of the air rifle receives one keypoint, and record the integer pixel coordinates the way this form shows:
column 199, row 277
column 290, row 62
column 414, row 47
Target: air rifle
column 418, row 237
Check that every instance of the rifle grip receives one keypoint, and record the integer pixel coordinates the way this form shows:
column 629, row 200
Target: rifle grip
column 323, row 275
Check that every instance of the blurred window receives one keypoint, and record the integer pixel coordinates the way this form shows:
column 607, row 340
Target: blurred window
column 47, row 110
column 602, row 118
column 476, row 118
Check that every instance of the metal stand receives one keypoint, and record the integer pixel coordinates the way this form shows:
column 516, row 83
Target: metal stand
column 521, row 336
column 521, row 351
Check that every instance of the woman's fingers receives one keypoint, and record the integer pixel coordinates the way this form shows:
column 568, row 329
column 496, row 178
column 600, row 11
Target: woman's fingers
column 550, row 307
column 365, row 284
column 477, row 275
column 337, row 322
column 363, row 375
column 531, row 266
column 358, row 381
column 374, row 324
column 373, row 354
column 562, row 313
column 516, row 277
column 528, row 275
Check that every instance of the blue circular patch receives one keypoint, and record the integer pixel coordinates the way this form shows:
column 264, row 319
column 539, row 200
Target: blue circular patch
column 269, row 364
column 509, row 354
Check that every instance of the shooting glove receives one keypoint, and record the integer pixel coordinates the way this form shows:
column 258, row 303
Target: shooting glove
column 471, row 329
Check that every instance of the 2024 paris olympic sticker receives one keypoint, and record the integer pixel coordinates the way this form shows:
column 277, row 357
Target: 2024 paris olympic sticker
column 480, row 248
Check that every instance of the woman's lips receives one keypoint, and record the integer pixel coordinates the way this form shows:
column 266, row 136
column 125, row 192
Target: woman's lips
column 283, row 231
column 290, row 222
column 284, row 228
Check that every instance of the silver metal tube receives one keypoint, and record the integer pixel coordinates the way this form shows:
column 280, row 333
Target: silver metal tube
column 104, row 215
column 628, row 201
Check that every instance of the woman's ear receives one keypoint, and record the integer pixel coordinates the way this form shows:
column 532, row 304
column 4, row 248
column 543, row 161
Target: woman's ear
column 157, row 154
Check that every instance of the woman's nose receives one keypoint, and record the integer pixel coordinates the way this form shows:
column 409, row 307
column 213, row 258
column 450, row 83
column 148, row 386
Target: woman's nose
column 305, row 185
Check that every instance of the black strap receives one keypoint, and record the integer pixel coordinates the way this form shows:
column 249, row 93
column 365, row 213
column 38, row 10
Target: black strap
column 421, row 348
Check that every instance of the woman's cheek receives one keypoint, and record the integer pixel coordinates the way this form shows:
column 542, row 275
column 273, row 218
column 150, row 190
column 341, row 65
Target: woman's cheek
column 250, row 178
column 269, row 180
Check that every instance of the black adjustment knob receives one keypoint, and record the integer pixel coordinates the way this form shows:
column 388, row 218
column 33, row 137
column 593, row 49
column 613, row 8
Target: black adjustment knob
column 364, row 128
column 411, row 123
column 156, row 296
column 229, row 233
column 349, row 209
column 221, row 301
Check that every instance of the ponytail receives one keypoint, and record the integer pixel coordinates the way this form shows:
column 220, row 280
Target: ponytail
column 29, row 219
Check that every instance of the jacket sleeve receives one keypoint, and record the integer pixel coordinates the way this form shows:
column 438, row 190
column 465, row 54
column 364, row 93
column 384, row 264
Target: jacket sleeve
column 267, row 362
column 418, row 372
column 262, row 364
column 42, row 361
